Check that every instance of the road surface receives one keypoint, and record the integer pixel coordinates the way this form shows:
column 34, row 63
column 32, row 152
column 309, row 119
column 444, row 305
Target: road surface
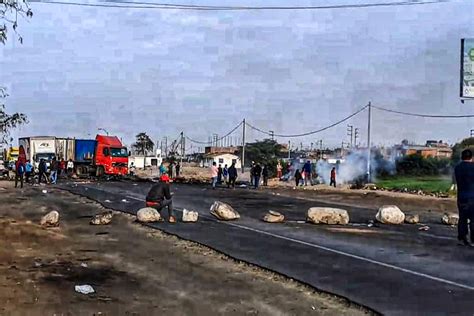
column 394, row 270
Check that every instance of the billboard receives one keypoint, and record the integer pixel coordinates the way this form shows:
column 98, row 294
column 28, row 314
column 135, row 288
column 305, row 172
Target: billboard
column 467, row 68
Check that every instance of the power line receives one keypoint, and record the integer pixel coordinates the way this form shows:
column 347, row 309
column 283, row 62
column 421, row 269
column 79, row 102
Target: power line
column 215, row 140
column 171, row 6
column 312, row 132
column 421, row 115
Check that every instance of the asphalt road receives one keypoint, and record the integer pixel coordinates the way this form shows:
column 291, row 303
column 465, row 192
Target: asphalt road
column 393, row 270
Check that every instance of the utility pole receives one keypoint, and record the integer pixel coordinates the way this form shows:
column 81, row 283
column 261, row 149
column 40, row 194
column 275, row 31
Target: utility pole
column 368, row 142
column 472, row 132
column 289, row 149
column 182, row 149
column 350, row 133
column 356, row 135
column 272, row 133
column 166, row 146
column 243, row 146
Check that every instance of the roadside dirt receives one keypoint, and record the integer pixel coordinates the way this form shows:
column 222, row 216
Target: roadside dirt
column 134, row 270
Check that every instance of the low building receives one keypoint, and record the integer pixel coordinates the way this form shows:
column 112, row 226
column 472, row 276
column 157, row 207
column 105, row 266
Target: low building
column 221, row 159
column 146, row 161
column 221, row 150
column 436, row 149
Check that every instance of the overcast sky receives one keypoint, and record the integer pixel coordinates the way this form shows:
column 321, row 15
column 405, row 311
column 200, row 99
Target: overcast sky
column 163, row 71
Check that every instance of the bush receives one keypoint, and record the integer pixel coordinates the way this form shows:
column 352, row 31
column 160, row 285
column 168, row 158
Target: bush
column 416, row 164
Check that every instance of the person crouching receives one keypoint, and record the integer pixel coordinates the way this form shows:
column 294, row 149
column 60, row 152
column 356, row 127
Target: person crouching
column 159, row 197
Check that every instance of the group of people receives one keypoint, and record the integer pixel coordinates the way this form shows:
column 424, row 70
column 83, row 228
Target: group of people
column 305, row 175
column 25, row 171
column 173, row 170
column 228, row 175
column 256, row 173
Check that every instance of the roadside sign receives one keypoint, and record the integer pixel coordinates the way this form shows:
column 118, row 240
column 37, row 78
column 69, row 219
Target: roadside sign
column 467, row 68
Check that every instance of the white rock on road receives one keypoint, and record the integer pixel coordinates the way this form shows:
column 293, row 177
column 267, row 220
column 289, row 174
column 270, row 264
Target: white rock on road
column 148, row 214
column 190, row 216
column 390, row 214
column 450, row 219
column 274, row 217
column 102, row 219
column 327, row 215
column 412, row 219
column 50, row 220
column 224, row 211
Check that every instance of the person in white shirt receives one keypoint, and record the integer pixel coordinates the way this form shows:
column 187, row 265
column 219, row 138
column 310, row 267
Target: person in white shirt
column 70, row 167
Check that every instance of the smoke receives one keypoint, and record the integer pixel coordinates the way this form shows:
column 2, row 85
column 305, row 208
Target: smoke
column 354, row 167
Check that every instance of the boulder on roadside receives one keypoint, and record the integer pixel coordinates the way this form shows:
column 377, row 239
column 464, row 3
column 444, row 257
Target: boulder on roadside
column 148, row 214
column 450, row 219
column 327, row 215
column 274, row 217
column 190, row 216
column 223, row 211
column 412, row 219
column 50, row 220
column 390, row 214
column 102, row 219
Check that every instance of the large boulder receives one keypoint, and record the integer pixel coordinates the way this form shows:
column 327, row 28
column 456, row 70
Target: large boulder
column 450, row 219
column 148, row 214
column 390, row 214
column 50, row 220
column 190, row 216
column 327, row 215
column 412, row 219
column 274, row 217
column 224, row 211
column 102, row 219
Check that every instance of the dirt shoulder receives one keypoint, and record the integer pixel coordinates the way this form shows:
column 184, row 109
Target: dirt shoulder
column 134, row 269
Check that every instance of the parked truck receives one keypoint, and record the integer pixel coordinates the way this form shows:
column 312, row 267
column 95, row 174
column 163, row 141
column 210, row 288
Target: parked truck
column 103, row 156
column 39, row 147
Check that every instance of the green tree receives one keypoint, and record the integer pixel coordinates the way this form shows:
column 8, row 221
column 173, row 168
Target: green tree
column 8, row 121
column 467, row 143
column 263, row 152
column 9, row 12
column 143, row 144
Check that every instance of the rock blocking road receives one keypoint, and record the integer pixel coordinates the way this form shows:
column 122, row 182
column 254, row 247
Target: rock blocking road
column 392, row 269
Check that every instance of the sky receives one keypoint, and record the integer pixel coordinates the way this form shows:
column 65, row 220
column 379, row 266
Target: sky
column 167, row 71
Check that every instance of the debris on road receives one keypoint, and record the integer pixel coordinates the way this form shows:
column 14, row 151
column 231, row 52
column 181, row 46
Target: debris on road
column 412, row 219
column 424, row 228
column 327, row 215
column 44, row 191
column 390, row 214
column 84, row 265
column 190, row 216
column 450, row 219
column 242, row 186
column 223, row 211
column 274, row 217
column 102, row 219
column 84, row 289
column 107, row 201
column 124, row 200
column 50, row 220
column 148, row 214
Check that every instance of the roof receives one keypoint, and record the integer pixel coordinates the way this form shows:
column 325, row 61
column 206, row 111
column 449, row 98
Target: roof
column 109, row 140
column 219, row 154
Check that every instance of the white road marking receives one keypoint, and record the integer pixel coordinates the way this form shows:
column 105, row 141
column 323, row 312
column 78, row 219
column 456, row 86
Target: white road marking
column 339, row 252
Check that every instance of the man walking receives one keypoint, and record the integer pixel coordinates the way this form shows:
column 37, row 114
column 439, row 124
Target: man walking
column 214, row 172
column 70, row 167
column 159, row 197
column 19, row 172
column 54, row 171
column 265, row 175
column 178, row 169
column 257, row 172
column 225, row 174
column 42, row 171
column 219, row 174
column 333, row 177
column 464, row 174
column 279, row 170
column 307, row 172
column 28, row 171
column 232, row 176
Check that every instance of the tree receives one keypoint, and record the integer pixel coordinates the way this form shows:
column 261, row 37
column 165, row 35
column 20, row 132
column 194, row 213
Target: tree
column 266, row 152
column 467, row 143
column 143, row 143
column 8, row 121
column 9, row 11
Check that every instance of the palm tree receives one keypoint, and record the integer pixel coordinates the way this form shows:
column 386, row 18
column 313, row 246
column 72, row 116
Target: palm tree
column 143, row 144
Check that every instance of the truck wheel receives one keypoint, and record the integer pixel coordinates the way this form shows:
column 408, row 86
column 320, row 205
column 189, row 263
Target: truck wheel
column 80, row 171
column 100, row 171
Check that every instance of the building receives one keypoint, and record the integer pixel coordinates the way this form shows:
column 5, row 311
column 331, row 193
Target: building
column 435, row 149
column 221, row 150
column 146, row 161
column 222, row 159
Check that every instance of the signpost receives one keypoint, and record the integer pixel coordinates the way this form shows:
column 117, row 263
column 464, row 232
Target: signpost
column 467, row 68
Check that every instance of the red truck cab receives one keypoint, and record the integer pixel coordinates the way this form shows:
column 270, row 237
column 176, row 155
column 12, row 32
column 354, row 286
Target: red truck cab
column 111, row 157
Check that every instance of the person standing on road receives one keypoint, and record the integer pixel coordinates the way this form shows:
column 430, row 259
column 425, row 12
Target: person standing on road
column 232, row 176
column 333, row 177
column 19, row 173
column 162, row 169
column 171, row 170
column 159, row 197
column 42, row 171
column 307, row 172
column 62, row 167
column 219, row 174
column 70, row 167
column 265, row 175
column 214, row 172
column 297, row 177
column 28, row 171
column 225, row 174
column 279, row 170
column 257, row 172
column 464, row 174
column 54, row 171
column 132, row 169
column 178, row 169
column 252, row 171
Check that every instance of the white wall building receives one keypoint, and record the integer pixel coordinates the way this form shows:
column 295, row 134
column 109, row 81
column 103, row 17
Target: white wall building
column 222, row 159
column 142, row 162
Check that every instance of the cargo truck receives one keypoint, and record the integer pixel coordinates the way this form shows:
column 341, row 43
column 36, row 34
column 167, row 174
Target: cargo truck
column 39, row 147
column 103, row 156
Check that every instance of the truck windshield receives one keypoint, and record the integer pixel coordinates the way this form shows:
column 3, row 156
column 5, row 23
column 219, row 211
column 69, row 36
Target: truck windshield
column 47, row 157
column 119, row 152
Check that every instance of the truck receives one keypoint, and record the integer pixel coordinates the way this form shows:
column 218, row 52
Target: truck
column 103, row 156
column 39, row 147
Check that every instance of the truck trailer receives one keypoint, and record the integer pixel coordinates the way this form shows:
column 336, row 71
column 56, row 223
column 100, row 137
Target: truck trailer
column 39, row 147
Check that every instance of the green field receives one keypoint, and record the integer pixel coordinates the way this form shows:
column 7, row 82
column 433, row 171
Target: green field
column 429, row 184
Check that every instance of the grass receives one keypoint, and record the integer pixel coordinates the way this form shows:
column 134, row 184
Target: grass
column 428, row 184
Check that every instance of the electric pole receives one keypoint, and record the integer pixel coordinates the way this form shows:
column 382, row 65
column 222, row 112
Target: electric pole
column 272, row 134
column 182, row 148
column 356, row 136
column 368, row 142
column 243, row 146
column 472, row 132
column 289, row 149
column 350, row 133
